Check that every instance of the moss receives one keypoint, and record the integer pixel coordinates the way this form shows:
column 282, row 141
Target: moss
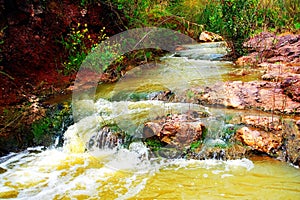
column 53, row 125
column 154, row 143
column 195, row 145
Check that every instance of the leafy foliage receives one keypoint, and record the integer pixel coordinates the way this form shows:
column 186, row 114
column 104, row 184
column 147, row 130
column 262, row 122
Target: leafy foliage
column 195, row 145
column 79, row 43
column 236, row 20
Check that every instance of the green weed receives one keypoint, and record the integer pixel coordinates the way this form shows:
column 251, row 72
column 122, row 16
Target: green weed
column 76, row 44
column 154, row 143
column 195, row 145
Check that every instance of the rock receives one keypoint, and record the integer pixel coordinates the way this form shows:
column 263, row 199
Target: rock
column 298, row 124
column 263, row 122
column 261, row 95
column 206, row 36
column 271, row 48
column 104, row 139
column 259, row 140
column 249, row 60
column 293, row 90
column 177, row 130
column 282, row 142
column 2, row 170
column 234, row 151
column 264, row 40
column 269, row 77
column 291, row 147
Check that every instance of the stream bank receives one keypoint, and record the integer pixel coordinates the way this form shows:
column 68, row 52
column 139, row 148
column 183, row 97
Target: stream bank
column 279, row 86
column 276, row 130
column 31, row 62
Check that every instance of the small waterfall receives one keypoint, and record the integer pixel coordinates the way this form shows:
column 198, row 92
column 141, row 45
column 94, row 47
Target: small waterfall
column 104, row 139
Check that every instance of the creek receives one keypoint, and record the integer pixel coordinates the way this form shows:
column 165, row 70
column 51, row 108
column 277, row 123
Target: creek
column 83, row 170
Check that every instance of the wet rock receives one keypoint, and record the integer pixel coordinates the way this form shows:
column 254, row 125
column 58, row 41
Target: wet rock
column 261, row 95
column 259, row 140
column 281, row 142
column 176, row 130
column 234, row 151
column 2, row 170
column 206, row 36
column 293, row 90
column 298, row 124
column 291, row 147
column 104, row 139
column 263, row 122
column 166, row 95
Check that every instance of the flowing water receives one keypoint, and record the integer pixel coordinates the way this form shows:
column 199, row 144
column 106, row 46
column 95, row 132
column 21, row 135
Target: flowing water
column 107, row 171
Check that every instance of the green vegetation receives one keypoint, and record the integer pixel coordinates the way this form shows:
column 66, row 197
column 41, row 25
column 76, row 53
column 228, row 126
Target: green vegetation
column 78, row 44
column 56, row 121
column 154, row 143
column 195, row 145
column 103, row 55
column 236, row 20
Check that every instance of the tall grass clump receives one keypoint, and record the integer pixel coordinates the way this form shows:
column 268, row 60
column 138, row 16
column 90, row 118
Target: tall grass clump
column 236, row 20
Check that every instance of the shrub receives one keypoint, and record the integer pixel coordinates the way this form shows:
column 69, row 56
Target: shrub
column 78, row 43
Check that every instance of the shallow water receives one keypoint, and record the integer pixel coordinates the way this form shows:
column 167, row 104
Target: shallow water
column 72, row 172
column 58, row 174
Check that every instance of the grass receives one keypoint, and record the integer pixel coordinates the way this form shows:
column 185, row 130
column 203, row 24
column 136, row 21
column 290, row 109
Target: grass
column 235, row 20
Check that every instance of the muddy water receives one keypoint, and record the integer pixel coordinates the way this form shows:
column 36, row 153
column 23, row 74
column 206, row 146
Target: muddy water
column 72, row 172
column 57, row 174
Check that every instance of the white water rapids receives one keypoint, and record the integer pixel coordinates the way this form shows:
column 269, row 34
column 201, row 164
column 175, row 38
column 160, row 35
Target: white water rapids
column 72, row 172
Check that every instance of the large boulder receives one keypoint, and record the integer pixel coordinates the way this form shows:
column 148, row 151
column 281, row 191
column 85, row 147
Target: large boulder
column 274, row 136
column 259, row 140
column 175, row 130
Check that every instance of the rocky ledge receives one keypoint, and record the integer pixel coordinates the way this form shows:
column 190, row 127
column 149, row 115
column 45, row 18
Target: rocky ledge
column 276, row 130
column 276, row 91
column 183, row 135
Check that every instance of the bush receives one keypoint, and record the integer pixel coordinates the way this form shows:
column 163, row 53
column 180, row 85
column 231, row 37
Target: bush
column 78, row 44
column 237, row 20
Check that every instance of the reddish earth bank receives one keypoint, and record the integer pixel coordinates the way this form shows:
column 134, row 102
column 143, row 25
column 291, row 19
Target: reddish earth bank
column 31, row 58
column 32, row 54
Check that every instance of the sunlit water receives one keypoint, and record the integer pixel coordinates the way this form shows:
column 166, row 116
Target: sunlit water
column 72, row 172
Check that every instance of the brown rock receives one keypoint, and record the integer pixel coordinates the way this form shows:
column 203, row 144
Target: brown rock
column 259, row 140
column 262, row 95
column 272, row 48
column 206, row 36
column 293, row 91
column 177, row 131
column 260, row 42
column 291, row 148
column 263, row 122
column 246, row 61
